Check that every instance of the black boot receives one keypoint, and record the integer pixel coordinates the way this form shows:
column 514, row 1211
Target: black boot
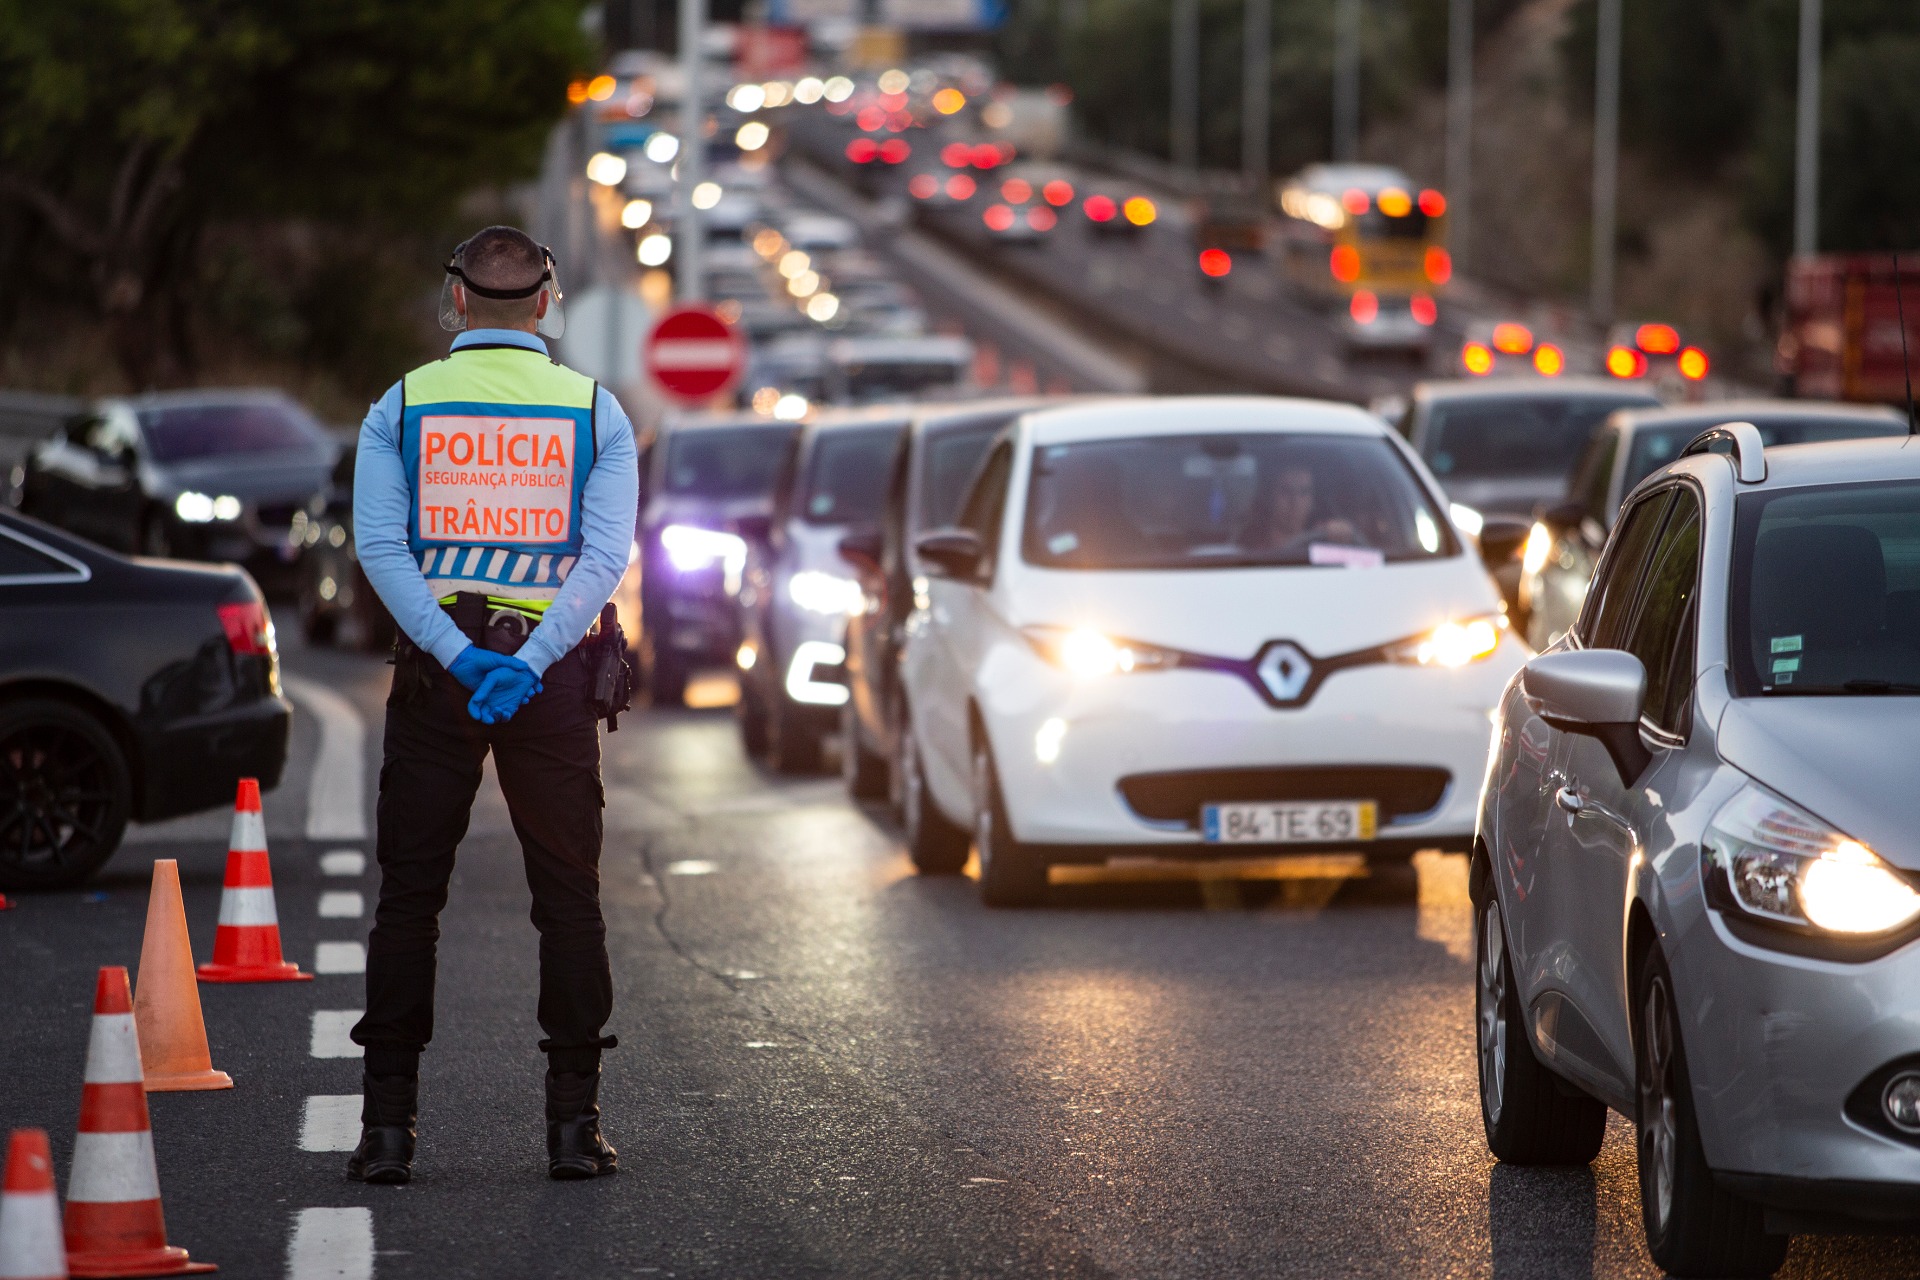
column 575, row 1148
column 389, row 1106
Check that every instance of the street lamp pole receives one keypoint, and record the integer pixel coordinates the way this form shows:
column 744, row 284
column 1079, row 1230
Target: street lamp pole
column 1346, row 79
column 1460, row 130
column 1806, row 150
column 693, row 21
column 1256, row 98
column 1185, row 125
column 1606, row 157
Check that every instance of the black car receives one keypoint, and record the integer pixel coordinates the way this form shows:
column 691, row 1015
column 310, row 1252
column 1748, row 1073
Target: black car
column 337, row 605
column 128, row 689
column 707, row 488
column 932, row 467
column 199, row 475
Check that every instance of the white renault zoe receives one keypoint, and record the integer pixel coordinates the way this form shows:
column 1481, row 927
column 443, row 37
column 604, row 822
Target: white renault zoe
column 1197, row 628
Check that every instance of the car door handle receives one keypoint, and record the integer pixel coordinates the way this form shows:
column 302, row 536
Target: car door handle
column 1569, row 799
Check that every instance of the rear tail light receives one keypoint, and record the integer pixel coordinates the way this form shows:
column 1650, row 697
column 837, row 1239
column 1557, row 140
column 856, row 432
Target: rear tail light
column 1423, row 308
column 1549, row 360
column 1215, row 263
column 1512, row 339
column 1477, row 358
column 249, row 628
column 1365, row 307
column 1657, row 339
column 1439, row 264
column 1625, row 362
column 1344, row 263
column 1693, row 364
column 895, row 150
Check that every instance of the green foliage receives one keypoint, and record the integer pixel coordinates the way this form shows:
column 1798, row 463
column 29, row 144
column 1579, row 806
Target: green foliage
column 128, row 126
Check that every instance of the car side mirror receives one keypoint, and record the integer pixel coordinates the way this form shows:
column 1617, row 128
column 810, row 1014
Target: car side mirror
column 1595, row 692
column 861, row 549
column 950, row 553
column 1501, row 538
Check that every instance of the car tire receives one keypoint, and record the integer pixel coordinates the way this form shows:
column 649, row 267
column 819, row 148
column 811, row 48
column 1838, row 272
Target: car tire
column 865, row 772
column 1694, row 1228
column 1530, row 1115
column 65, row 794
column 792, row 747
column 937, row 847
column 1010, row 874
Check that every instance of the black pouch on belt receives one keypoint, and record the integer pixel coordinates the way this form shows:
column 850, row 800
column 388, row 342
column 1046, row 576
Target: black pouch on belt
column 611, row 674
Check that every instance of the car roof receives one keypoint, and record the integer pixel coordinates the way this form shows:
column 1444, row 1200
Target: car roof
column 198, row 396
column 1199, row 415
column 1448, row 389
column 947, row 416
column 1713, row 413
column 1839, row 462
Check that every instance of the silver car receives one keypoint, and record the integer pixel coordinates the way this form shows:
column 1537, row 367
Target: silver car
column 1697, row 870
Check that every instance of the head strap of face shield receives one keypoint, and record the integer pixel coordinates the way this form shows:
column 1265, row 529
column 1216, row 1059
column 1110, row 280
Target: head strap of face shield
column 500, row 295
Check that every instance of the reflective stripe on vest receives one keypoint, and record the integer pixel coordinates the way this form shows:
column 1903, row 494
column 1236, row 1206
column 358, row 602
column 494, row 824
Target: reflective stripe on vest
column 497, row 443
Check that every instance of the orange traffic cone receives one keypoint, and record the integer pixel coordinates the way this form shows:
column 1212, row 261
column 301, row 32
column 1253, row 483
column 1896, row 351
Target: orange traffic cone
column 246, row 946
column 30, row 1247
column 114, row 1224
column 166, row 1004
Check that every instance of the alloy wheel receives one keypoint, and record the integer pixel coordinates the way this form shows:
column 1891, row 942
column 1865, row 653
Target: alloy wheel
column 1658, row 1124
column 1492, row 1006
column 56, row 798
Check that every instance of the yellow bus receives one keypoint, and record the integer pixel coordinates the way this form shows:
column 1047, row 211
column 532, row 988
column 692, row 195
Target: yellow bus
column 1368, row 236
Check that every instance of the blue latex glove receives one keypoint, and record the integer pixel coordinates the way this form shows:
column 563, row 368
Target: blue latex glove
column 473, row 664
column 504, row 690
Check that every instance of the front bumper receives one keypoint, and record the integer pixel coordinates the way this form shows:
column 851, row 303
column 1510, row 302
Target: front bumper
column 1414, row 723
column 1783, row 1059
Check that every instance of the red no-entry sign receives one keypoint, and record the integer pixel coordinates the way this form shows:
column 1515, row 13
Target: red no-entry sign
column 693, row 354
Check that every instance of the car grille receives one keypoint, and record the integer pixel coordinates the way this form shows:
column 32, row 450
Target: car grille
column 1399, row 790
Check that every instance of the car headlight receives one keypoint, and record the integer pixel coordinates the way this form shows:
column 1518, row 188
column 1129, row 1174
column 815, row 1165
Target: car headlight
column 692, row 548
column 200, row 508
column 1539, row 547
column 1086, row 653
column 1779, row 862
column 1452, row 644
column 828, row 593
column 1466, row 519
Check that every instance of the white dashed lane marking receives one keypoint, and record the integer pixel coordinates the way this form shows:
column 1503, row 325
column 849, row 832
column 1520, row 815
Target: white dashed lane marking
column 330, row 1028
column 343, row 862
column 337, row 797
column 331, row 1244
column 340, row 957
column 342, row 904
column 331, row 1122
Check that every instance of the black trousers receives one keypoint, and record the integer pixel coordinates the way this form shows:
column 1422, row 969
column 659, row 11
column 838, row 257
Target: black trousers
column 548, row 761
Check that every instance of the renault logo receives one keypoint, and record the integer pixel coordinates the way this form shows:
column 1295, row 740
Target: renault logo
column 1285, row 670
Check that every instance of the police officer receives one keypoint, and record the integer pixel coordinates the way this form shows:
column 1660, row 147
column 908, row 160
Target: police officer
column 494, row 501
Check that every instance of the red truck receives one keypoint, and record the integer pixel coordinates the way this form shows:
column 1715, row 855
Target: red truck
column 1841, row 340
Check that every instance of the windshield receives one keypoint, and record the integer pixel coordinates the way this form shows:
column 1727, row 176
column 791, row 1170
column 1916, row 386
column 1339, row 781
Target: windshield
column 726, row 462
column 952, row 458
column 896, row 379
column 1513, row 435
column 1826, row 590
column 1655, row 447
column 1197, row 502
column 848, row 476
column 187, row 432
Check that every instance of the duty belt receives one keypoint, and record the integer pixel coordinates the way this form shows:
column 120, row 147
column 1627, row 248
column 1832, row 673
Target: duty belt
column 496, row 628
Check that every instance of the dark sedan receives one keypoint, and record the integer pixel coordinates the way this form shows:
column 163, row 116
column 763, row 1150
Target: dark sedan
column 707, row 489
column 337, row 605
column 202, row 475
column 129, row 689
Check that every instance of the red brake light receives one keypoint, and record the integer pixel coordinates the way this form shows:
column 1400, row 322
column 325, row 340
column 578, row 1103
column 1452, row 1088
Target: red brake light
column 895, row 150
column 1625, row 362
column 1016, row 191
column 1041, row 218
column 1354, row 201
column 1365, row 307
column 1424, row 312
column 960, row 187
column 871, row 119
column 1215, row 262
column 1477, row 358
column 862, row 150
column 1657, row 339
column 1057, row 193
column 1693, row 364
column 924, row 186
column 1344, row 262
column 1549, row 360
column 998, row 217
column 985, row 155
column 1512, row 339
column 1439, row 265
column 1432, row 203
column 249, row 629
column 1100, row 209
column 956, row 155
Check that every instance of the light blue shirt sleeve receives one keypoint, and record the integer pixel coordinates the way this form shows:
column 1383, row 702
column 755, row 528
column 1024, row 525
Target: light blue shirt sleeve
column 382, row 502
column 609, row 510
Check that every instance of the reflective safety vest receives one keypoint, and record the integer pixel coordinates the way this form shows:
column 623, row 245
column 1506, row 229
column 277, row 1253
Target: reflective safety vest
column 497, row 442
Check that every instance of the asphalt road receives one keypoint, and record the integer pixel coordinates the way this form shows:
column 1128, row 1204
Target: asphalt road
column 829, row 1067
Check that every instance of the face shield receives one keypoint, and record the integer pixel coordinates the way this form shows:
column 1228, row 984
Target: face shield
column 453, row 320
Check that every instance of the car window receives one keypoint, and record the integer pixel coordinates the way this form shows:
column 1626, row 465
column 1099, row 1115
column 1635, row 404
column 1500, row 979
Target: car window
column 18, row 561
column 1655, row 447
column 1609, row 607
column 1592, row 474
column 986, row 505
column 846, row 476
column 181, row 433
column 951, row 460
column 1222, row 501
column 725, row 462
column 1825, row 590
column 1662, row 632
column 1513, row 435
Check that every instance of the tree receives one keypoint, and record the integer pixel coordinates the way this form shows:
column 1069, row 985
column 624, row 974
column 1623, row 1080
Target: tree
column 127, row 125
